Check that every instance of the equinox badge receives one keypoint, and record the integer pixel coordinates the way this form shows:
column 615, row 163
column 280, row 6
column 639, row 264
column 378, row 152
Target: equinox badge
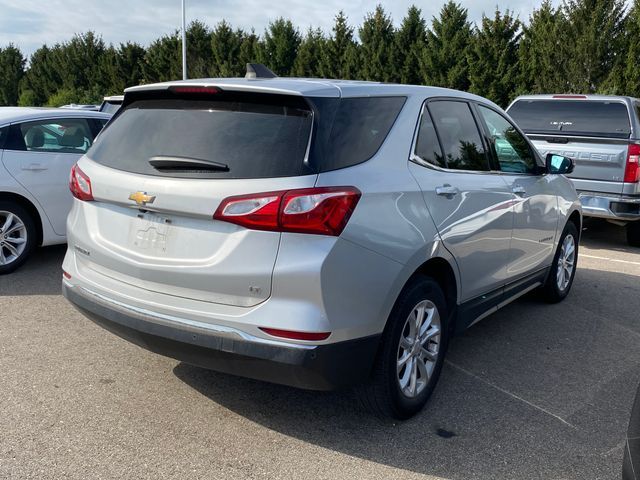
column 141, row 198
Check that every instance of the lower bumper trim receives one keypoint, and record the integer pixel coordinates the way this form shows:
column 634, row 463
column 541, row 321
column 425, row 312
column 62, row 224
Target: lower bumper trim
column 321, row 367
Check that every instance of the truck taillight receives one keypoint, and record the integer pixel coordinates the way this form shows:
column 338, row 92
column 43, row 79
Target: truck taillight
column 321, row 210
column 80, row 184
column 631, row 171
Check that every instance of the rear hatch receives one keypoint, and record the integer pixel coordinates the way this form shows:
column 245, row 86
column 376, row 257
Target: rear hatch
column 160, row 170
column 594, row 133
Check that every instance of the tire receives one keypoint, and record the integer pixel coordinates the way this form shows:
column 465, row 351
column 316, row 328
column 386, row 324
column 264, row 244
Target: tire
column 17, row 236
column 633, row 233
column 384, row 394
column 556, row 288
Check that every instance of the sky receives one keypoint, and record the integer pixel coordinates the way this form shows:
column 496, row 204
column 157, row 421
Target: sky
column 30, row 23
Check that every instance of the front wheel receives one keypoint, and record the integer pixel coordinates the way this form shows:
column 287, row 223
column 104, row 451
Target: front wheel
column 563, row 269
column 410, row 357
column 17, row 236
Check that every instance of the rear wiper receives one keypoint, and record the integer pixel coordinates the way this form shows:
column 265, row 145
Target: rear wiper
column 186, row 163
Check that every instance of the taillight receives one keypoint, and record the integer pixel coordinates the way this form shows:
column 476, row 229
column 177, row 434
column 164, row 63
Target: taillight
column 631, row 171
column 80, row 184
column 322, row 210
column 294, row 335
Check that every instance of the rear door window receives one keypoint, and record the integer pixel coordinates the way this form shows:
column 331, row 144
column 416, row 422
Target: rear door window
column 572, row 117
column 459, row 136
column 427, row 144
column 4, row 133
column 242, row 136
column 60, row 135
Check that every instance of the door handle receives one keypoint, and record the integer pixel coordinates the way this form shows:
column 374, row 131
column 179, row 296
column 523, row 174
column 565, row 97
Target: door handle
column 35, row 167
column 447, row 190
column 518, row 190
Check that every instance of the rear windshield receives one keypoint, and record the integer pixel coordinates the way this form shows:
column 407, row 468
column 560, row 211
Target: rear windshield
column 244, row 135
column 211, row 138
column 572, row 117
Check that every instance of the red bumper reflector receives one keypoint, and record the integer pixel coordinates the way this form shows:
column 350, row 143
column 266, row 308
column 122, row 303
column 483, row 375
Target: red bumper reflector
column 311, row 336
column 66, row 275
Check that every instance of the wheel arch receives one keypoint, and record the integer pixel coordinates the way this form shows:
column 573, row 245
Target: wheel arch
column 29, row 207
column 576, row 218
column 443, row 272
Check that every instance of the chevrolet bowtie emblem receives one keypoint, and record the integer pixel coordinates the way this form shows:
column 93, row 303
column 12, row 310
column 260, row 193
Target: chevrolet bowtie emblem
column 141, row 198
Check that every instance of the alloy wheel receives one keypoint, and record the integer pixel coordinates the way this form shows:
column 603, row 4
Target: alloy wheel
column 418, row 349
column 566, row 263
column 13, row 237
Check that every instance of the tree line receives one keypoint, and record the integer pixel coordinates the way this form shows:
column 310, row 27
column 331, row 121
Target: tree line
column 581, row 46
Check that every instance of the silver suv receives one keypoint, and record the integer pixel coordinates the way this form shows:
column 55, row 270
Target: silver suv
column 314, row 233
column 602, row 135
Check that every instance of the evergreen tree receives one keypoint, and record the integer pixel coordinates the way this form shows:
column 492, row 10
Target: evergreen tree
column 631, row 70
column 410, row 41
column 226, row 44
column 163, row 60
column 340, row 55
column 493, row 58
column 42, row 79
column 11, row 72
column 595, row 42
column 444, row 62
column 80, row 62
column 309, row 56
column 250, row 51
column 543, row 53
column 376, row 47
column 123, row 67
column 200, row 61
column 281, row 43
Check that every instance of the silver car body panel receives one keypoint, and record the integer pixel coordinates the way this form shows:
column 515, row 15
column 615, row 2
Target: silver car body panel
column 345, row 285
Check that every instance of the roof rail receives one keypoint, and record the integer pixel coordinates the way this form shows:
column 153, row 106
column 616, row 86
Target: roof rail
column 257, row 70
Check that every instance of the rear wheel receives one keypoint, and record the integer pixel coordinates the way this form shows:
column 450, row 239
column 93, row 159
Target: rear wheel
column 410, row 357
column 633, row 233
column 17, row 236
column 563, row 269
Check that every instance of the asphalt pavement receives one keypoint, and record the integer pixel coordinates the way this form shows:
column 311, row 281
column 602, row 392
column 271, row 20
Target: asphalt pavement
column 535, row 391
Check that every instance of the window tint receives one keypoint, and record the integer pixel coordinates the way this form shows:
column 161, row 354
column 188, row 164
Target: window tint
column 248, row 135
column 577, row 117
column 71, row 135
column 427, row 145
column 510, row 147
column 4, row 133
column 359, row 129
column 458, row 132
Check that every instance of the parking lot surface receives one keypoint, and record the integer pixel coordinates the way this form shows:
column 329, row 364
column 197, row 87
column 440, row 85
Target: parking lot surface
column 533, row 391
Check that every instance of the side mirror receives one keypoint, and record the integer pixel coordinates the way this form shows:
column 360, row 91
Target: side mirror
column 558, row 164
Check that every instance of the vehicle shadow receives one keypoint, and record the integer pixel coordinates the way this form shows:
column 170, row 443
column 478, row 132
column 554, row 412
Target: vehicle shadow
column 599, row 234
column 534, row 391
column 40, row 275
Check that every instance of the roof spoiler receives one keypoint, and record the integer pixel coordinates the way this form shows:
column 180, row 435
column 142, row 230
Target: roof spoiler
column 257, row 70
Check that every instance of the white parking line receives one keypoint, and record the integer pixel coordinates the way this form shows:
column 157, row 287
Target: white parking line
column 510, row 394
column 609, row 259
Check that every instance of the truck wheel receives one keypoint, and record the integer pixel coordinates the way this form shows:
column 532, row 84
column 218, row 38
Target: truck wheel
column 563, row 268
column 411, row 354
column 17, row 236
column 633, row 233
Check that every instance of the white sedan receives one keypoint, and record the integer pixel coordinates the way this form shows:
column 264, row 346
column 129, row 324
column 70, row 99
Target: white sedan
column 38, row 147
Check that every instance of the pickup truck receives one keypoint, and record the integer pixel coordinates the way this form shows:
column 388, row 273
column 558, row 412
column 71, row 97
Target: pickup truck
column 601, row 134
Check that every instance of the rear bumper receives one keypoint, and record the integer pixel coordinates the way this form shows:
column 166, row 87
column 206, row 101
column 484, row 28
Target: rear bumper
column 624, row 208
column 313, row 367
